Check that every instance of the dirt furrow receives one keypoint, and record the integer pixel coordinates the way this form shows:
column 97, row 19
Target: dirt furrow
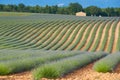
column 102, row 38
column 116, row 38
column 79, row 32
column 78, row 35
column 71, row 34
column 44, row 32
column 96, row 37
column 56, row 39
column 83, row 36
column 75, row 37
column 109, row 36
column 19, row 76
column 89, row 37
column 63, row 37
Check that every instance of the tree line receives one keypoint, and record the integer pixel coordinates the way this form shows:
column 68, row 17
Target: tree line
column 71, row 9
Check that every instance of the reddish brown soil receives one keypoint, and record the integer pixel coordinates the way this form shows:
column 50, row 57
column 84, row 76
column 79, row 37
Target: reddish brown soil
column 19, row 76
column 117, row 70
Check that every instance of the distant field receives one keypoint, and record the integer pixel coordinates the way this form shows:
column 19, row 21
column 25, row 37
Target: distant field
column 14, row 14
column 35, row 39
column 60, row 32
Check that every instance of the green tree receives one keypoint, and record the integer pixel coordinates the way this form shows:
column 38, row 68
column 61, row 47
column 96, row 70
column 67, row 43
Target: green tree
column 12, row 8
column 110, row 11
column 71, row 9
column 37, row 9
column 1, row 7
column 118, row 11
column 54, row 9
column 27, row 9
column 93, row 10
column 47, row 9
column 74, row 7
column 6, row 8
column 21, row 7
column 62, row 10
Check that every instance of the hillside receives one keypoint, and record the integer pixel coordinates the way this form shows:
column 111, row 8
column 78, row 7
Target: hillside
column 60, row 32
column 62, row 47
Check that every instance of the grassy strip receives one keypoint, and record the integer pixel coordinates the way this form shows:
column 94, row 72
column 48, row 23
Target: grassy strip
column 23, row 35
column 107, row 63
column 57, row 36
column 110, row 46
column 83, row 31
column 118, row 42
column 2, row 26
column 86, row 35
column 27, row 63
column 106, row 36
column 6, row 55
column 27, row 37
column 61, row 67
column 59, row 43
column 8, row 27
column 47, row 35
column 13, row 42
column 53, row 36
column 17, row 30
column 99, row 36
column 22, row 30
column 93, row 36
column 66, row 36
column 11, row 28
column 18, row 45
column 79, row 36
column 67, row 42
column 42, row 28
column 76, row 32
column 50, row 32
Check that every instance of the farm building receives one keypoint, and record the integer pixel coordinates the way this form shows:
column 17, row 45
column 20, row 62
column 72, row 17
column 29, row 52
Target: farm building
column 80, row 14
